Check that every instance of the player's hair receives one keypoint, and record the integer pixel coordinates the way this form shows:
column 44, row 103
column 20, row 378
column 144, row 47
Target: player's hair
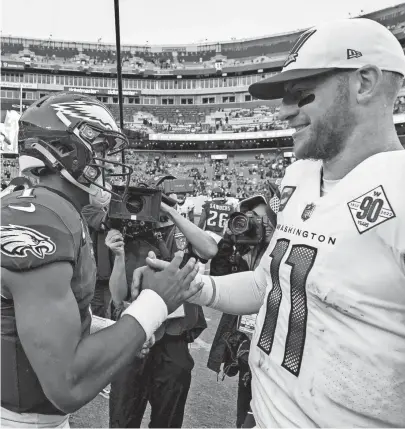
column 392, row 84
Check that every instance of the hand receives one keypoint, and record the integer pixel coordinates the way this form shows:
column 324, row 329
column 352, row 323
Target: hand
column 154, row 263
column 174, row 285
column 138, row 275
column 115, row 242
column 146, row 347
column 159, row 265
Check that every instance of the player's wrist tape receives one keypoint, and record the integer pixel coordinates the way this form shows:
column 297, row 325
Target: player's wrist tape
column 214, row 292
column 149, row 310
column 207, row 294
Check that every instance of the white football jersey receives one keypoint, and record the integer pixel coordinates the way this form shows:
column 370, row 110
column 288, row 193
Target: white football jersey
column 329, row 341
column 186, row 208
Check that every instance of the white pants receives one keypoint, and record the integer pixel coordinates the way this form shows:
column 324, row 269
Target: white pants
column 10, row 419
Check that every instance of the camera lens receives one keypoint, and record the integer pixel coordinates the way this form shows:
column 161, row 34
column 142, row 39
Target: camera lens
column 239, row 224
column 135, row 204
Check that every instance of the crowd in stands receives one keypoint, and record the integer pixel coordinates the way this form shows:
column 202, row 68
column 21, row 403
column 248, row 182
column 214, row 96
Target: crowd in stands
column 222, row 121
column 399, row 106
column 8, row 170
column 209, row 145
column 264, row 118
column 240, row 179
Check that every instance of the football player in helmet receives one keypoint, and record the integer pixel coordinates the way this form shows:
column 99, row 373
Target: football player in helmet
column 51, row 366
column 215, row 213
column 329, row 342
column 185, row 206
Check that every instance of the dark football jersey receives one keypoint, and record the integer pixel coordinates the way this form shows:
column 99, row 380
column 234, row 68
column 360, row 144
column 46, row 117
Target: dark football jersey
column 39, row 227
column 217, row 215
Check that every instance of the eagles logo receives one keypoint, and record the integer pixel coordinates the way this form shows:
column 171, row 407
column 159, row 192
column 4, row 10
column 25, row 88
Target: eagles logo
column 92, row 112
column 293, row 54
column 16, row 241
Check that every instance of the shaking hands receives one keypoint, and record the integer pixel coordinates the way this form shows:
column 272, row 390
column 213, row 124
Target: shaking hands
column 174, row 285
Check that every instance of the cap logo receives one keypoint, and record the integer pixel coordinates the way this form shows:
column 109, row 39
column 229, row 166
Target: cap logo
column 292, row 56
column 351, row 53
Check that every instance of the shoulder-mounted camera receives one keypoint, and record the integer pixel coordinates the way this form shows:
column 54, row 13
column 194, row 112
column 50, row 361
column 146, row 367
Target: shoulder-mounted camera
column 250, row 225
column 137, row 212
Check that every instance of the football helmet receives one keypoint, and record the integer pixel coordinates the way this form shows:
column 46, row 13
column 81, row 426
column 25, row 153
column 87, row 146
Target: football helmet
column 218, row 193
column 71, row 135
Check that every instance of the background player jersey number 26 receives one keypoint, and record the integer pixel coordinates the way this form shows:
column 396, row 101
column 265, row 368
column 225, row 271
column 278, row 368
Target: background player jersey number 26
column 217, row 218
column 301, row 258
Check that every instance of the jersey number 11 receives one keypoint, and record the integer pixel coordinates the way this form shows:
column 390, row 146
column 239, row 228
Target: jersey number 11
column 301, row 259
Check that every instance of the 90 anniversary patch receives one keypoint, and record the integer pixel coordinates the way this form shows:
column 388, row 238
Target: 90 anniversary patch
column 371, row 209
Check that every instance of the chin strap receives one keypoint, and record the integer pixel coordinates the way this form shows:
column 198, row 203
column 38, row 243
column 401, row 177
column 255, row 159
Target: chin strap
column 56, row 165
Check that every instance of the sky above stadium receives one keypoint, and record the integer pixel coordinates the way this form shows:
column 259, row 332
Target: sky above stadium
column 171, row 22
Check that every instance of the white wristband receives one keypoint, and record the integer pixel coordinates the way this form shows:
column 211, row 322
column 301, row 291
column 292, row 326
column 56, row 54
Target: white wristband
column 149, row 310
column 206, row 296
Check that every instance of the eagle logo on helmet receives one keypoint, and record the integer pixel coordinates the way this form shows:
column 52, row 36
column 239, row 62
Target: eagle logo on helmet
column 86, row 111
column 16, row 241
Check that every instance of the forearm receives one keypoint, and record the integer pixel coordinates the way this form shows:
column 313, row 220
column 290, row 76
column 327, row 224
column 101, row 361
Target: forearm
column 95, row 365
column 118, row 280
column 233, row 294
column 201, row 242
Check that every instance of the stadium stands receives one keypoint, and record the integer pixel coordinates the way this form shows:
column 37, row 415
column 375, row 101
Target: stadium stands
column 11, row 47
column 233, row 53
column 205, row 111
column 267, row 47
column 8, row 170
column 239, row 176
column 49, row 51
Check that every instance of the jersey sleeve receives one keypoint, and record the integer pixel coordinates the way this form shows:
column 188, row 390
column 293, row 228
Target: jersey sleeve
column 392, row 231
column 38, row 231
column 261, row 274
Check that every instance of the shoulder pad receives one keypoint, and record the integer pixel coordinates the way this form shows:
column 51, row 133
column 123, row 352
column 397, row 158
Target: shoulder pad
column 39, row 229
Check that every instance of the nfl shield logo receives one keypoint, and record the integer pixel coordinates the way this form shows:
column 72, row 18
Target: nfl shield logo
column 307, row 213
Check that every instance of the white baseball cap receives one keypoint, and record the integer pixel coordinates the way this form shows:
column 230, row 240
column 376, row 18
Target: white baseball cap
column 342, row 44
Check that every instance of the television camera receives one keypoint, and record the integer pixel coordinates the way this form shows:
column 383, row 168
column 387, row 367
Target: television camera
column 138, row 212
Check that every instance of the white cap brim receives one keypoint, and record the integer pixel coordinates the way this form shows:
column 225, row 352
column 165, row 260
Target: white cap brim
column 272, row 88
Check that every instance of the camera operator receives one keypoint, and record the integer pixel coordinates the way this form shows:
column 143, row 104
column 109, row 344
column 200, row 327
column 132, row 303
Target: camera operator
column 163, row 378
column 237, row 253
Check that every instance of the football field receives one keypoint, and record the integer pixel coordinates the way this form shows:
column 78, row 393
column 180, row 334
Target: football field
column 211, row 403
